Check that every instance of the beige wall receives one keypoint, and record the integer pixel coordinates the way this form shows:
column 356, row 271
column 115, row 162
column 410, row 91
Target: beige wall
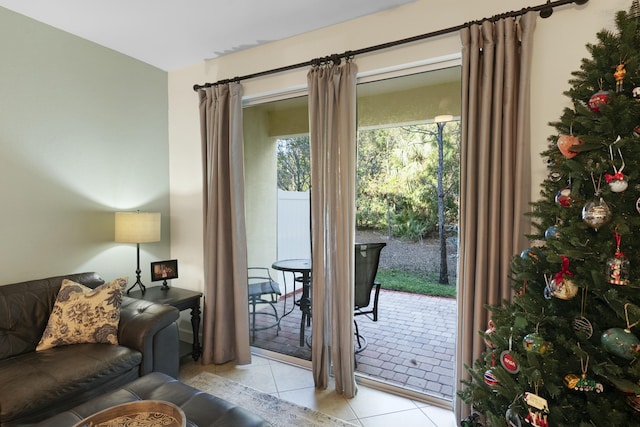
column 83, row 133
column 260, row 188
column 559, row 46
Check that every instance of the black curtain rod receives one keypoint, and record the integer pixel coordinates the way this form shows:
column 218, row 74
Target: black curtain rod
column 545, row 11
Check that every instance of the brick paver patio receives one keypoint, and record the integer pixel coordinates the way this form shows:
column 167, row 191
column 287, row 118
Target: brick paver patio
column 412, row 344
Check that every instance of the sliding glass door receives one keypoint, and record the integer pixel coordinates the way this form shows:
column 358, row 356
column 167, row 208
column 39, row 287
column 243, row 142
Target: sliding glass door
column 407, row 197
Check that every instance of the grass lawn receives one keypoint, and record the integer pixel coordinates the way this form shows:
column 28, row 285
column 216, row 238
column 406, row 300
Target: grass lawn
column 398, row 280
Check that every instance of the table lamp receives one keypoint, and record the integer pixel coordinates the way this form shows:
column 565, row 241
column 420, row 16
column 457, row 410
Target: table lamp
column 137, row 227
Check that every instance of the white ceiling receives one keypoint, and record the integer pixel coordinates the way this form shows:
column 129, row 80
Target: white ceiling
column 170, row 34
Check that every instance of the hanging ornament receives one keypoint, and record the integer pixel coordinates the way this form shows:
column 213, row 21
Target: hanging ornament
column 537, row 410
column 582, row 383
column 617, row 182
column 555, row 176
column 621, row 342
column 618, row 75
column 490, row 378
column 488, row 333
column 581, row 325
column 507, row 360
column 513, row 419
column 511, row 416
column 551, row 233
column 566, row 142
column 532, row 254
column 562, row 286
column 597, row 100
column 635, row 92
column 618, row 265
column 596, row 212
column 534, row 343
column 563, row 197
column 638, row 205
column 634, row 401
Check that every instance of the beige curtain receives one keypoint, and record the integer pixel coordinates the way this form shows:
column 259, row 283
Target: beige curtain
column 225, row 319
column 332, row 130
column 495, row 173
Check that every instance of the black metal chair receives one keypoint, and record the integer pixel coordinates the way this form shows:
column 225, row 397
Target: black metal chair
column 367, row 258
column 262, row 290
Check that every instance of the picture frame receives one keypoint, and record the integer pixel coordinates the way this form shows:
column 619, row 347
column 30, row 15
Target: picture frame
column 164, row 270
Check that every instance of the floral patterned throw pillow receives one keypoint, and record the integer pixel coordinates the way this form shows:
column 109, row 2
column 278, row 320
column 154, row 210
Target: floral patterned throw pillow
column 84, row 315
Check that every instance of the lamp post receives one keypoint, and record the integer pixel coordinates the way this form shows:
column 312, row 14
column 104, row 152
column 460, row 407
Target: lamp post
column 137, row 227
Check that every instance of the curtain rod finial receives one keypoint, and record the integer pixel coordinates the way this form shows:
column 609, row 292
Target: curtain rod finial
column 547, row 11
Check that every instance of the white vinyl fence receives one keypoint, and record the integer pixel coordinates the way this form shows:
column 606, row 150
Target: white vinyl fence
column 294, row 225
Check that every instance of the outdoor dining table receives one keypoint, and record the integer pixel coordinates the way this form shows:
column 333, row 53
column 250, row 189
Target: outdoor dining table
column 302, row 267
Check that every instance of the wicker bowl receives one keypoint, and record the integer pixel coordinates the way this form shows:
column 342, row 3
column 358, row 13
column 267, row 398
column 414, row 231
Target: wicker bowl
column 140, row 414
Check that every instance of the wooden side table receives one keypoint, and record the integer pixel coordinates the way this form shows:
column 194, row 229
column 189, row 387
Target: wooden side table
column 181, row 299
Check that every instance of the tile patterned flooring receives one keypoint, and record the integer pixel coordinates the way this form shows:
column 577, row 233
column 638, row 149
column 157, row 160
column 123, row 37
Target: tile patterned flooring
column 412, row 345
column 370, row 407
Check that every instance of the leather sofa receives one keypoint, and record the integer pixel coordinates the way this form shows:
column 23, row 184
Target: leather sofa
column 35, row 385
column 201, row 409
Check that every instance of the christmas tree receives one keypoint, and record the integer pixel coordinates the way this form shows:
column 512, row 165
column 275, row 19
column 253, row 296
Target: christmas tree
column 565, row 350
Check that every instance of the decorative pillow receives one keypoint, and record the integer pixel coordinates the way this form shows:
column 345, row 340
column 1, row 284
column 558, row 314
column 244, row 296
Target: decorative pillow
column 84, row 315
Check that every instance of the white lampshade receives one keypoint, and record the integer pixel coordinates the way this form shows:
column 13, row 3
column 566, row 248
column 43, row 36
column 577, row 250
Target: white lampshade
column 137, row 227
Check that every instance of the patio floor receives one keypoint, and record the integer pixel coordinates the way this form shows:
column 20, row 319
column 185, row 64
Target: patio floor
column 412, row 345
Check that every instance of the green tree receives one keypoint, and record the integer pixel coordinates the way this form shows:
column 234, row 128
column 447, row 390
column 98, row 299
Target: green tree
column 294, row 169
column 572, row 327
column 446, row 182
column 397, row 179
column 372, row 197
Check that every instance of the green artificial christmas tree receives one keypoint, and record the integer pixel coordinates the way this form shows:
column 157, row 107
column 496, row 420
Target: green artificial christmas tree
column 565, row 352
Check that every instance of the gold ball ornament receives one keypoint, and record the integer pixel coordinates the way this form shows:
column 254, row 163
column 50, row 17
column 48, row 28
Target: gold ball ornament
column 565, row 290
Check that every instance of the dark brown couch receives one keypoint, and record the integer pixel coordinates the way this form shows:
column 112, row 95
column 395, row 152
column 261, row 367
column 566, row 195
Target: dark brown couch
column 36, row 385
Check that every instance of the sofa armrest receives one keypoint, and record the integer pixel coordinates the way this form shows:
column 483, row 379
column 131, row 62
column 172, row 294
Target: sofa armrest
column 151, row 329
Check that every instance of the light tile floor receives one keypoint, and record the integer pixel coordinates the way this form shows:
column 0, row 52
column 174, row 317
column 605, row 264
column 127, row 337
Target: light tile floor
column 370, row 407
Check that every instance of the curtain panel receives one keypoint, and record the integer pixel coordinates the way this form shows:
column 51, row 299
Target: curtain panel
column 495, row 176
column 332, row 131
column 225, row 320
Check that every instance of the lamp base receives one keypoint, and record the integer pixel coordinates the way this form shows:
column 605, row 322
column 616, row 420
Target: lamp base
column 138, row 271
column 143, row 288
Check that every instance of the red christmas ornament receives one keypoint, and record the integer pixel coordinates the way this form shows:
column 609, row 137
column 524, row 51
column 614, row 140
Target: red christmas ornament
column 598, row 99
column 509, row 363
column 564, row 199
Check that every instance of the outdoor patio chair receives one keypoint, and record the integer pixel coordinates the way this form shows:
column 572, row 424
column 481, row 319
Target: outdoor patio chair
column 367, row 258
column 265, row 291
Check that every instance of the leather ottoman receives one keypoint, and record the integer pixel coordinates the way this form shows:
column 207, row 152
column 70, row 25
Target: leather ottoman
column 201, row 409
